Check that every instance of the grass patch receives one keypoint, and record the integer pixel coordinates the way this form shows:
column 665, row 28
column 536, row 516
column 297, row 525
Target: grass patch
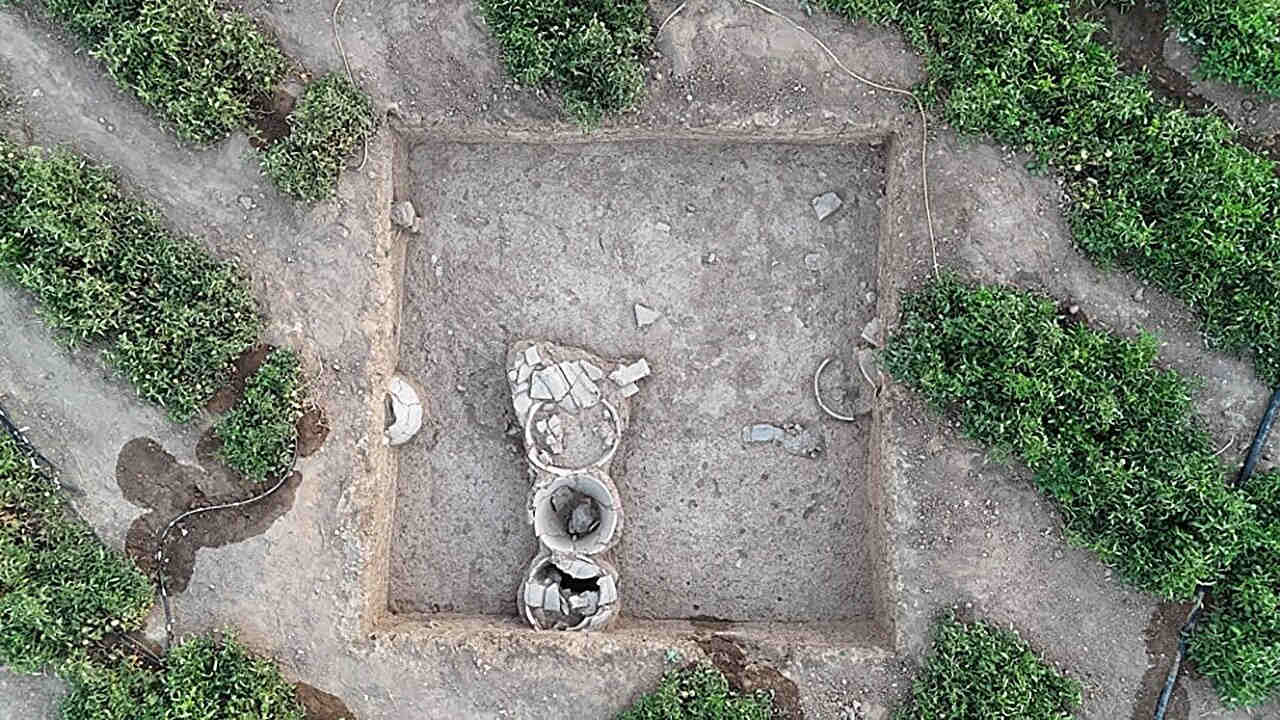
column 105, row 270
column 699, row 692
column 1236, row 40
column 592, row 52
column 1111, row 437
column 332, row 119
column 977, row 670
column 200, row 67
column 1237, row 642
column 259, row 434
column 202, row 678
column 61, row 590
column 1167, row 196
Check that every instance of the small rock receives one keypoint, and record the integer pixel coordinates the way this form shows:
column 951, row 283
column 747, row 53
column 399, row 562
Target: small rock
column 1073, row 310
column 1140, row 294
column 826, row 204
column 798, row 440
column 871, row 297
column 871, row 332
column 1248, row 105
column 584, row 518
column 813, row 261
column 631, row 373
column 246, row 202
column 645, row 316
column 403, row 214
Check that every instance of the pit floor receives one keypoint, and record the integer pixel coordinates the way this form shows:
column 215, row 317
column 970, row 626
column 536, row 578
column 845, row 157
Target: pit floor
column 559, row 241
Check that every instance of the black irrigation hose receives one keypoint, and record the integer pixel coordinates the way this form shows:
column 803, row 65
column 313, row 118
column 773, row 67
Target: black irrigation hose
column 164, row 591
column 1184, row 634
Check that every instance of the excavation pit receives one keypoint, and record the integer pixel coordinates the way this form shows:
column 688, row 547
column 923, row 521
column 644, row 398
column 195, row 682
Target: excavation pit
column 721, row 240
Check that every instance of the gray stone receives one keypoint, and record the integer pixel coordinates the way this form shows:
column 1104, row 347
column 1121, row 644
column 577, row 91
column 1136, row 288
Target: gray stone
column 532, row 356
column 630, row 373
column 826, row 204
column 761, row 433
column 803, row 442
column 584, row 392
column 629, row 390
column 871, row 332
column 246, row 202
column 813, row 261
column 1139, row 294
column 403, row 214
column 554, row 381
column 538, row 389
column 584, row 518
column 646, row 316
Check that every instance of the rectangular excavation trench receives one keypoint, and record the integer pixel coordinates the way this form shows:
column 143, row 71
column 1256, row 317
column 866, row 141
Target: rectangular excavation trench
column 559, row 241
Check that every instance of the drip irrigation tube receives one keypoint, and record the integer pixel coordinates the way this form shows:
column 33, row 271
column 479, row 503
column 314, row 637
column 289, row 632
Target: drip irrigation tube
column 1184, row 634
column 164, row 590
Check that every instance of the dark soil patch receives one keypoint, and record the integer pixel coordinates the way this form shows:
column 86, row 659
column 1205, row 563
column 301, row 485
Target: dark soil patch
column 747, row 676
column 1161, row 637
column 313, row 429
column 245, row 365
column 320, row 705
column 271, row 121
column 150, row 477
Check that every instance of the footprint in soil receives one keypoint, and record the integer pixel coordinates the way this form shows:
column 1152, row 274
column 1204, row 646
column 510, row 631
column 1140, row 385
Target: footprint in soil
column 747, row 676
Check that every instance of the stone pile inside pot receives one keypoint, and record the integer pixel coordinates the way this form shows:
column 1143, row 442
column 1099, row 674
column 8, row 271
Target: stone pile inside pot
column 574, row 408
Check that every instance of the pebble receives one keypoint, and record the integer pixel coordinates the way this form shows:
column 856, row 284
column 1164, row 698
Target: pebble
column 246, row 202
column 645, row 316
column 1139, row 294
column 826, row 204
column 403, row 214
column 813, row 261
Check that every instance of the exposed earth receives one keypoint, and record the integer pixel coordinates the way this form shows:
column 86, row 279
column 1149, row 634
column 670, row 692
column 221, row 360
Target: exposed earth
column 384, row 578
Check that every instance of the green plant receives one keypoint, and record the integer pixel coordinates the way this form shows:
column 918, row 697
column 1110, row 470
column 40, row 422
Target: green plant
column 202, row 678
column 1237, row 40
column 105, row 269
column 1110, row 437
column 977, row 670
column 332, row 119
column 591, row 51
column 259, row 434
column 1153, row 190
column 202, row 68
column 699, row 692
column 1237, row 641
column 61, row 590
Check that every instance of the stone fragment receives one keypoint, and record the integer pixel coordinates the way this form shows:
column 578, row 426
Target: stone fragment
column 1141, row 292
column 629, row 390
column 608, row 590
column 403, row 214
column 524, row 372
column 246, row 202
column 553, row 380
column 813, row 261
column 522, row 403
column 646, row 316
column 584, row 518
column 761, row 433
column 533, row 595
column 532, row 356
column 551, row 598
column 826, row 204
column 584, row 392
column 591, row 370
column 629, row 374
column 803, row 442
column 871, row 332
column 538, row 389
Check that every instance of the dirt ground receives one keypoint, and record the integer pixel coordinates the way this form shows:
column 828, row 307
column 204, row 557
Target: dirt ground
column 364, row 535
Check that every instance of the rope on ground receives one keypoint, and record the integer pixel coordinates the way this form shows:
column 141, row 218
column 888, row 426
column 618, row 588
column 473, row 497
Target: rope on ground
column 164, row 590
column 924, row 118
column 337, row 39
column 1184, row 635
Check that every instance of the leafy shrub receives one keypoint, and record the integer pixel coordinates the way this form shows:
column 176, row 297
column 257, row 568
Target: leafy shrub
column 258, row 435
column 201, row 68
column 977, row 670
column 1110, row 437
column 202, row 678
column 104, row 268
column 1237, row 642
column 591, row 51
column 699, row 692
column 331, row 120
column 1165, row 195
column 60, row 588
column 1237, row 40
